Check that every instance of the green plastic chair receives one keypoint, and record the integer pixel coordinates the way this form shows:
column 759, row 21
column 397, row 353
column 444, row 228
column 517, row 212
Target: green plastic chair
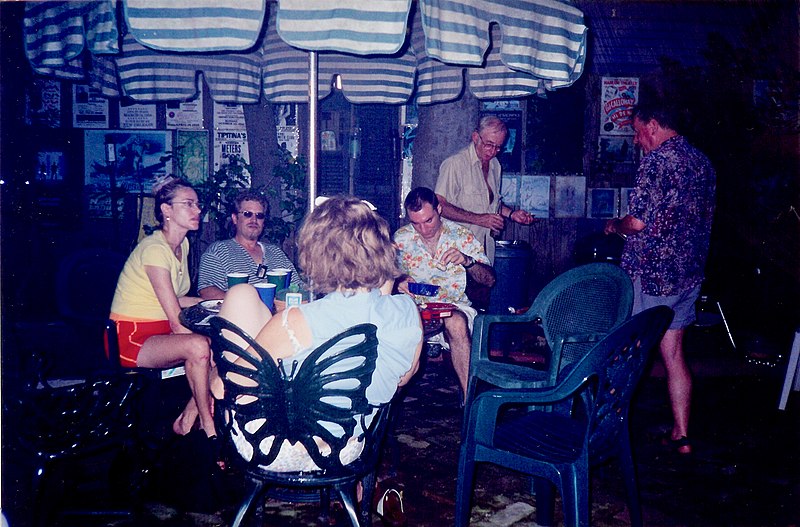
column 576, row 309
column 588, row 424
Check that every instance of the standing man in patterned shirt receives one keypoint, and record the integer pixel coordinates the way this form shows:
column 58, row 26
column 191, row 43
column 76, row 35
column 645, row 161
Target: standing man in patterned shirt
column 244, row 252
column 441, row 252
column 668, row 229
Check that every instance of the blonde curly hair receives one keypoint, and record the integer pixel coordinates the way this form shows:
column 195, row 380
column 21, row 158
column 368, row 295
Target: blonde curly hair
column 343, row 244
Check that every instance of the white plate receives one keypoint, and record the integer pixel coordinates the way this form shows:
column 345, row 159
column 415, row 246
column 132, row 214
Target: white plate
column 211, row 305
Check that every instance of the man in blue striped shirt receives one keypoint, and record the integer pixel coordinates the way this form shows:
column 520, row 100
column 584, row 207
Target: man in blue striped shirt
column 242, row 253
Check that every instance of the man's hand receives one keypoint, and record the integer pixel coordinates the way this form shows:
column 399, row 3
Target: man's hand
column 624, row 226
column 523, row 217
column 454, row 256
column 402, row 286
column 494, row 222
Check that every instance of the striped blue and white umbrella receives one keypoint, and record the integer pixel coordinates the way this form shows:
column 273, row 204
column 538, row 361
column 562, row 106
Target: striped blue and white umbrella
column 508, row 48
column 533, row 46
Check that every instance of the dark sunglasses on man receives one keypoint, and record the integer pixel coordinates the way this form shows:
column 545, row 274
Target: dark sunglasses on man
column 249, row 214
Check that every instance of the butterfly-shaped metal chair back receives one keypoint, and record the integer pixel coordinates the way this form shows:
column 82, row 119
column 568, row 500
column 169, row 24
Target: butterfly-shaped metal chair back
column 270, row 404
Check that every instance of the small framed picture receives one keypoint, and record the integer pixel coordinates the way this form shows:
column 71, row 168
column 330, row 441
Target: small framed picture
column 570, row 196
column 603, row 203
column 624, row 199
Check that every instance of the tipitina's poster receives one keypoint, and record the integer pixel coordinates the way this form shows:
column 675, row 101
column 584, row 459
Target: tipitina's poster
column 618, row 96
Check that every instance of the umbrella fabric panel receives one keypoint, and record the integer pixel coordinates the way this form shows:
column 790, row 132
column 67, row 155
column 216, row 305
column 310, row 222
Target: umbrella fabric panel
column 350, row 26
column 103, row 75
column 195, row 25
column 381, row 79
column 436, row 81
column 147, row 75
column 543, row 38
column 56, row 33
column 498, row 81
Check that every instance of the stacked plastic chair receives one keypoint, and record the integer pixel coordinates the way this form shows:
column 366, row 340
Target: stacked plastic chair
column 575, row 310
column 587, row 424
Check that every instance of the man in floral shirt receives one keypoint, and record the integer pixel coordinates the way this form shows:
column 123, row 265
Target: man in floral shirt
column 437, row 251
column 668, row 228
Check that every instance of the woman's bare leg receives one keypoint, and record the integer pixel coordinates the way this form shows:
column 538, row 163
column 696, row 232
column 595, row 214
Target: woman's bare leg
column 185, row 421
column 164, row 351
column 244, row 307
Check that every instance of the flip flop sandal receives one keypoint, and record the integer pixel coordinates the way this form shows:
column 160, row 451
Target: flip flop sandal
column 390, row 509
column 678, row 445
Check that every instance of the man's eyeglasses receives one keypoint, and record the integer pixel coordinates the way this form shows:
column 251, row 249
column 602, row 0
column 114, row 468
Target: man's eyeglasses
column 249, row 214
column 489, row 146
column 189, row 203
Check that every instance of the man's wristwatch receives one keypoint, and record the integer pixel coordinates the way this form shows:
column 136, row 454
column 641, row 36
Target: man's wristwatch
column 469, row 263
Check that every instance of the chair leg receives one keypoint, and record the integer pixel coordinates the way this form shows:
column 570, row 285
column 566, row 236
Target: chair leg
column 367, row 492
column 256, row 492
column 347, row 492
column 41, row 505
column 545, row 501
column 631, row 487
column 466, row 473
column 575, row 496
column 792, row 379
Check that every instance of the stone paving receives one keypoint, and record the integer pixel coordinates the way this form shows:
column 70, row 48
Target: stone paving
column 745, row 470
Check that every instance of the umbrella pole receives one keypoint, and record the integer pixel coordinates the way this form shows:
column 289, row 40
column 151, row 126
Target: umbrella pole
column 313, row 102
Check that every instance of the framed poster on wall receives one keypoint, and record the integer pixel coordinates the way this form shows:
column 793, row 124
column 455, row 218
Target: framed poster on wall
column 570, row 197
column 603, row 203
column 618, row 96
column 129, row 160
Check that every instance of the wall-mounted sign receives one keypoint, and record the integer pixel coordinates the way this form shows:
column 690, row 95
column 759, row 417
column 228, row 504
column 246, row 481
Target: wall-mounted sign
column 89, row 107
column 185, row 115
column 618, row 96
column 133, row 115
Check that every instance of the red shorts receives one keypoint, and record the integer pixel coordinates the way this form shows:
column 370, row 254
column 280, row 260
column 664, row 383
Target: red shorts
column 131, row 335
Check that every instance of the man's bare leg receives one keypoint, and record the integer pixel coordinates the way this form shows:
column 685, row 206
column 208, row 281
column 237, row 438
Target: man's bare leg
column 456, row 331
column 679, row 384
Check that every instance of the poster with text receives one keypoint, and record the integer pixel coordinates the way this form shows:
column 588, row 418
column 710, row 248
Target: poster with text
column 43, row 103
column 228, row 143
column 185, row 115
column 132, row 115
column 618, row 96
column 228, row 117
column 89, row 107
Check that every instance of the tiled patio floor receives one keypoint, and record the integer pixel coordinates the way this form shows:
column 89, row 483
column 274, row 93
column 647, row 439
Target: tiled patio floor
column 745, row 470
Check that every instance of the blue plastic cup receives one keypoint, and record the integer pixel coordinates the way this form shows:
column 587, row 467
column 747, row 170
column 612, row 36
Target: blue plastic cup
column 288, row 279
column 266, row 291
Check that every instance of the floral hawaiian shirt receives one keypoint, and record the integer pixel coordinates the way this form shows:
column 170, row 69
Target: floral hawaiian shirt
column 674, row 198
column 415, row 260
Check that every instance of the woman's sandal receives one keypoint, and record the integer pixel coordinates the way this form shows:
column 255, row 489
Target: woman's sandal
column 215, row 445
column 682, row 445
column 390, row 509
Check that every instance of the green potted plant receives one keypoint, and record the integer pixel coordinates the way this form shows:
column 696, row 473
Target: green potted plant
column 288, row 189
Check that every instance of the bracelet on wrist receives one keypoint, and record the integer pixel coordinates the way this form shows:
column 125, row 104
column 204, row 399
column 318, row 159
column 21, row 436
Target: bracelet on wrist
column 469, row 263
